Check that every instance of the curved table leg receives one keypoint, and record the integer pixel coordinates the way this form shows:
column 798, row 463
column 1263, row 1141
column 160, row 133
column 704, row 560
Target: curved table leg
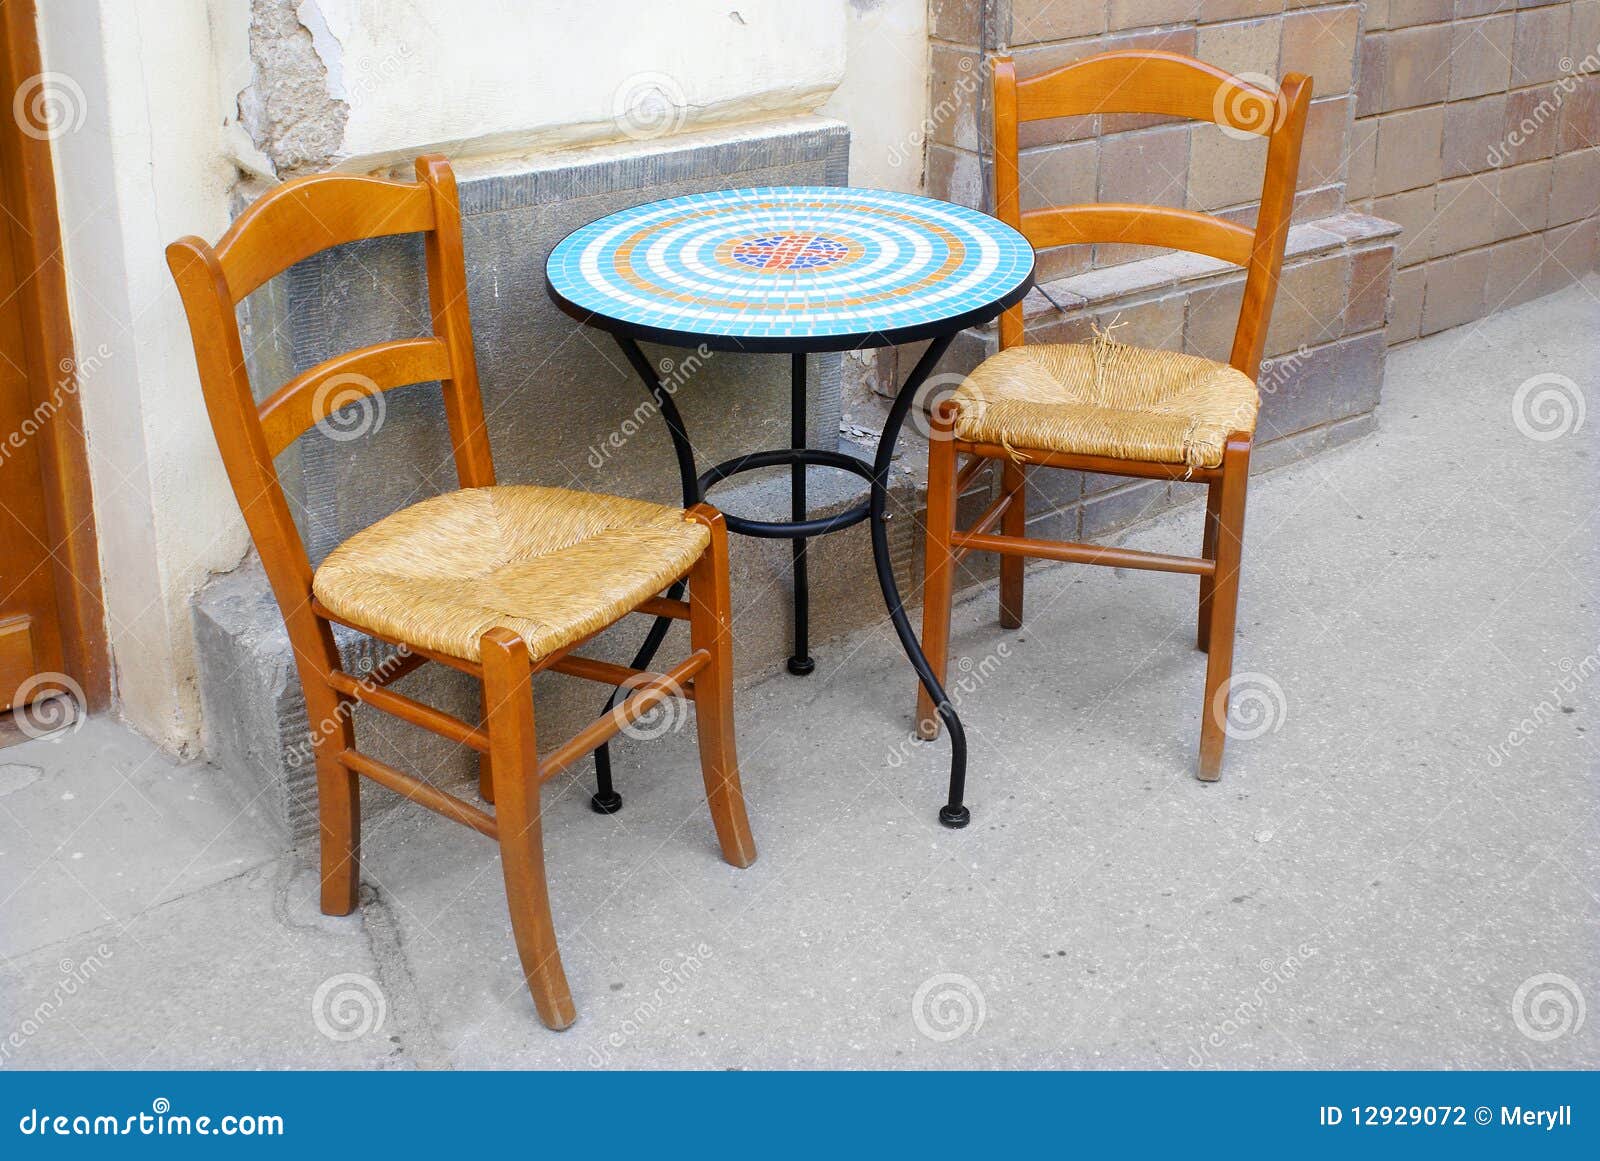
column 953, row 813
column 605, row 799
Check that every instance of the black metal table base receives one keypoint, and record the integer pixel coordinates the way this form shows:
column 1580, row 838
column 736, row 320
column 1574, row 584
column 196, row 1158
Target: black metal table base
column 799, row 529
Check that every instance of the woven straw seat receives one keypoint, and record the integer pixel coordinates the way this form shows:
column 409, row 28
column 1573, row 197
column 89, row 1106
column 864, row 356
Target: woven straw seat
column 551, row 565
column 1107, row 399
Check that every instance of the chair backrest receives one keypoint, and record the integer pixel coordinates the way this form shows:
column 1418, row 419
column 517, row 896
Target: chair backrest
column 1143, row 81
column 293, row 222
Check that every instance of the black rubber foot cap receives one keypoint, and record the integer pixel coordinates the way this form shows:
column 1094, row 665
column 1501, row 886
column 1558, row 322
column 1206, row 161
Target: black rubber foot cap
column 605, row 803
column 955, row 817
column 801, row 666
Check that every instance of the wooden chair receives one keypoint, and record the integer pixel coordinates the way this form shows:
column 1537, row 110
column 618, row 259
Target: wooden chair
column 500, row 582
column 1104, row 406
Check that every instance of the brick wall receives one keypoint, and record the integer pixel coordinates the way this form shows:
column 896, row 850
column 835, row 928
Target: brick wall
column 1471, row 123
column 1476, row 129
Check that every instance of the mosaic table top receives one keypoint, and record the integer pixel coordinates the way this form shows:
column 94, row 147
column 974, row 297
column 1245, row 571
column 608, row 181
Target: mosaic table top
column 776, row 266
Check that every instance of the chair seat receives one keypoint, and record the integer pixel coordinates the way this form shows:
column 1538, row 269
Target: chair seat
column 1107, row 399
column 551, row 565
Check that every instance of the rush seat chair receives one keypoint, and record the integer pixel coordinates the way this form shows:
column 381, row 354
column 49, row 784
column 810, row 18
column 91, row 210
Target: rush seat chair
column 497, row 581
column 1106, row 406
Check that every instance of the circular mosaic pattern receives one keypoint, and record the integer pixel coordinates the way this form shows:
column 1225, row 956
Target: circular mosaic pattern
column 792, row 262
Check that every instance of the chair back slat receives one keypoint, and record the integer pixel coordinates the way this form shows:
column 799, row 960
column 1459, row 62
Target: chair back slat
column 310, row 397
column 1165, row 83
column 311, row 214
column 293, row 222
column 1146, row 81
column 1139, row 226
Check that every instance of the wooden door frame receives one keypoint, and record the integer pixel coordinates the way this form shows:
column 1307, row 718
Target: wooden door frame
column 28, row 170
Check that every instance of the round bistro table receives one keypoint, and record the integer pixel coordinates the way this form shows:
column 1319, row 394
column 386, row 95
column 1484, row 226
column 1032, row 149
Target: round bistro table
column 794, row 270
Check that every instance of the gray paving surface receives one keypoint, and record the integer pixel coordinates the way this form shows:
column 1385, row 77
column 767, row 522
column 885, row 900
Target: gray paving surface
column 1398, row 869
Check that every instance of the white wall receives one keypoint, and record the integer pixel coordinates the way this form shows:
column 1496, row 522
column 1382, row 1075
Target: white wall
column 884, row 94
column 158, row 149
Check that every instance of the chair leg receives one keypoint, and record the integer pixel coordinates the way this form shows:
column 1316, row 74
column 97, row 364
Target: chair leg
column 1208, row 549
column 486, row 778
column 711, row 629
column 939, row 567
column 507, row 692
column 1224, row 605
column 338, row 798
column 1014, row 483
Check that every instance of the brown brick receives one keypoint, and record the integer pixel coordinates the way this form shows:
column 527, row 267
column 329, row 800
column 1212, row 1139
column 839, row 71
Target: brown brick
column 1471, row 129
column 1575, row 190
column 1455, row 291
column 1522, row 199
column 1311, row 304
column 1465, row 208
column 1212, row 320
column 1466, row 9
column 956, row 96
column 1583, row 42
column 1580, row 115
column 1241, row 46
column 1213, row 10
column 1533, row 119
column 1058, row 175
column 1405, row 13
column 1369, row 83
column 1409, row 149
column 1480, row 56
column 954, row 175
column 1570, row 252
column 1541, row 41
column 960, row 21
column 1039, row 20
column 1062, row 262
column 1371, row 272
column 1405, row 316
column 1322, row 155
column 1156, row 324
column 1515, row 272
column 1224, row 170
column 1322, row 43
column 1363, row 159
column 1150, row 167
column 1414, row 212
column 1416, row 67
column 1122, row 14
